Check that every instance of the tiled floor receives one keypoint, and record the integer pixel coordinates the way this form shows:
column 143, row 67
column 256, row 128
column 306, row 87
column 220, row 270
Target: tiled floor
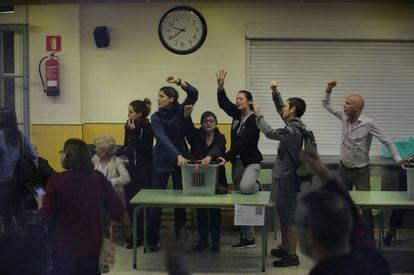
column 246, row 261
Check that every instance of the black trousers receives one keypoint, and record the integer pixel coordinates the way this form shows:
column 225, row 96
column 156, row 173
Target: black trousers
column 141, row 178
column 160, row 180
column 209, row 219
column 397, row 215
column 11, row 207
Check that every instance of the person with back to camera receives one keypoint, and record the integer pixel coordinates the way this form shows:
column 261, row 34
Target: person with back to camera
column 331, row 231
column 73, row 205
column 284, row 172
column 208, row 144
column 12, row 143
column 138, row 143
column 244, row 152
column 170, row 151
column 356, row 139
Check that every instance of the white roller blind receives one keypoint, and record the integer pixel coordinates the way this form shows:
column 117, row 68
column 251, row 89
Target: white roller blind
column 382, row 72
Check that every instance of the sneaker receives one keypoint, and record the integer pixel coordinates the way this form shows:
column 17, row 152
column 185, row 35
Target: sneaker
column 288, row 260
column 200, row 246
column 152, row 248
column 129, row 245
column 215, row 246
column 244, row 243
column 279, row 252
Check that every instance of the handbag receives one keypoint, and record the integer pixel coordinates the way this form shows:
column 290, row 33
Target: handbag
column 107, row 253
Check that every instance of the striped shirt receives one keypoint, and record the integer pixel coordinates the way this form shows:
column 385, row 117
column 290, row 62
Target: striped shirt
column 356, row 140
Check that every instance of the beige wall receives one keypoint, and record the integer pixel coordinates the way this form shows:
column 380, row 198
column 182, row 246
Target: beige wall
column 97, row 84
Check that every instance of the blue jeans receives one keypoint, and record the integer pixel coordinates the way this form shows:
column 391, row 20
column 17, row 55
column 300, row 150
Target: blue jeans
column 159, row 181
column 76, row 265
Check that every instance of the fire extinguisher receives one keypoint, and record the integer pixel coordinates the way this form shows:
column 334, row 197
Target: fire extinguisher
column 52, row 75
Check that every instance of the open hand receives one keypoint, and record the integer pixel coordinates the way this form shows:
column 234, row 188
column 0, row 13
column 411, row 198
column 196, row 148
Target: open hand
column 221, row 76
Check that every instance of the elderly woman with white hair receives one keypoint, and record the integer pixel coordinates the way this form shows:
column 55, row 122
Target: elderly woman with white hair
column 110, row 165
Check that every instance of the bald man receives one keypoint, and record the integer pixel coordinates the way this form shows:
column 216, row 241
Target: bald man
column 357, row 133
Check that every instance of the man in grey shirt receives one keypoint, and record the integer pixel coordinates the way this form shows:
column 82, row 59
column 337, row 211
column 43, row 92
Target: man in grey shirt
column 284, row 171
column 357, row 133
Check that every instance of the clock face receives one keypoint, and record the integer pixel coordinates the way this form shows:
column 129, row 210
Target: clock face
column 182, row 30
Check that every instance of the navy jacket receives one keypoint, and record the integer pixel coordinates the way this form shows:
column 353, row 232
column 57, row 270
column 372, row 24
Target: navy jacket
column 169, row 127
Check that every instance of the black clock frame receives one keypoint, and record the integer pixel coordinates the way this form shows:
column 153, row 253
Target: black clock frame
column 196, row 46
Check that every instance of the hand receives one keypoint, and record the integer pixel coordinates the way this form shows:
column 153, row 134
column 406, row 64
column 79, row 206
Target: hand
column 331, row 84
column 256, row 109
column 205, row 161
column 130, row 124
column 221, row 76
column 401, row 162
column 312, row 161
column 181, row 161
column 222, row 160
column 188, row 109
column 39, row 200
column 273, row 86
column 172, row 80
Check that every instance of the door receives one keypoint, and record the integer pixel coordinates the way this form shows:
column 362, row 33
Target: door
column 14, row 81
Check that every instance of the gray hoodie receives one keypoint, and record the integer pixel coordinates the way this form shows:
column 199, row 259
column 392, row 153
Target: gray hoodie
column 290, row 135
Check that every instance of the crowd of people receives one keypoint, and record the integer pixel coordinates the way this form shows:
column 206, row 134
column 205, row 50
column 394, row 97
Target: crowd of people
column 81, row 203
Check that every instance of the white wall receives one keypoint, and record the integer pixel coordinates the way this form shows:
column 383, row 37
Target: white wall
column 55, row 20
column 97, row 84
column 136, row 64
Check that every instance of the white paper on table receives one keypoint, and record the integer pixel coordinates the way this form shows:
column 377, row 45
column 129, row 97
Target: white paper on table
column 249, row 215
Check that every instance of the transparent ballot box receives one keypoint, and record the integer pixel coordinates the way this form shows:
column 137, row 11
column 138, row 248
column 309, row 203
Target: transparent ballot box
column 198, row 180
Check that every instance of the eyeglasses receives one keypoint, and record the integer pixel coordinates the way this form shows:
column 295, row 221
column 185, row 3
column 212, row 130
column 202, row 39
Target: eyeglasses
column 209, row 121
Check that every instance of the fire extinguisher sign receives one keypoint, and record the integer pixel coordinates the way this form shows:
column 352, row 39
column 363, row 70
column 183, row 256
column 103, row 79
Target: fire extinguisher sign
column 53, row 43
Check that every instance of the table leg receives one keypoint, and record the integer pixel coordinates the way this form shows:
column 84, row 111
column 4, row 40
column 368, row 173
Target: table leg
column 263, row 246
column 134, row 236
column 381, row 228
column 145, row 231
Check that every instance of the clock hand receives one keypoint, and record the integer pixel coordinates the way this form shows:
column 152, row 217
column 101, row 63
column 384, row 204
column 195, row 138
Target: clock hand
column 183, row 30
column 178, row 29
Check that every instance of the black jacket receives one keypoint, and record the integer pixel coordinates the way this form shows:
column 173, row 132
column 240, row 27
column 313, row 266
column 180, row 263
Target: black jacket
column 138, row 145
column 199, row 148
column 244, row 143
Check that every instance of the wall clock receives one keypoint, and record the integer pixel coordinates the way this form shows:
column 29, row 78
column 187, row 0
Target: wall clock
column 182, row 30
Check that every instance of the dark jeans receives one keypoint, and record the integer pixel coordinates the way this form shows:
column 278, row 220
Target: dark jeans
column 361, row 179
column 203, row 224
column 75, row 265
column 397, row 215
column 11, row 206
column 160, row 180
column 141, row 178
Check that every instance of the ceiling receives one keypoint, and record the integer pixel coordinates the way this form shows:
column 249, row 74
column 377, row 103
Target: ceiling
column 33, row 2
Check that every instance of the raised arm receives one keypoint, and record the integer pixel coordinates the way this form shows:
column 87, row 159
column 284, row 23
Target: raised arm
column 192, row 93
column 327, row 104
column 224, row 103
column 277, row 98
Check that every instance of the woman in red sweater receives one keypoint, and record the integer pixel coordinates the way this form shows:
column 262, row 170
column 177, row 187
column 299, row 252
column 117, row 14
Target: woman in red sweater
column 74, row 202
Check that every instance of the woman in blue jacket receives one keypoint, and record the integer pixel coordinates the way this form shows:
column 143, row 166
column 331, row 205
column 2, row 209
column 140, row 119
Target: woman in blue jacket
column 170, row 151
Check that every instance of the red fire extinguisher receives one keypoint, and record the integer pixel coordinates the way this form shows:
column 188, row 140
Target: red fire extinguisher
column 52, row 75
